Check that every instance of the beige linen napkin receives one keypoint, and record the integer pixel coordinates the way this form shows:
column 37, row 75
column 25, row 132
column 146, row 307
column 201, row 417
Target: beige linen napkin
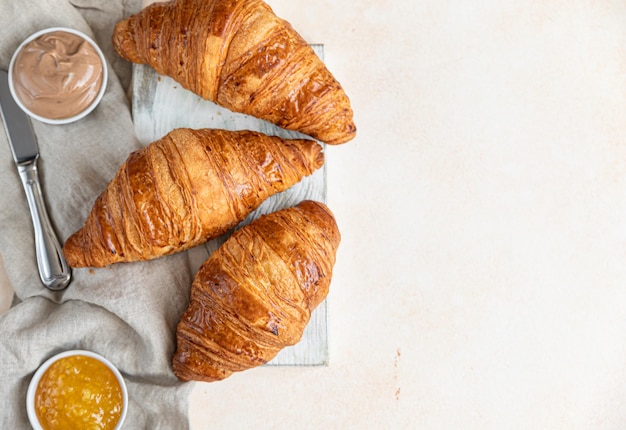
column 127, row 312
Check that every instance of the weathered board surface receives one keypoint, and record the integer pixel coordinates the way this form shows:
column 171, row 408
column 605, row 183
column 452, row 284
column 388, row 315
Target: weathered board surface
column 161, row 105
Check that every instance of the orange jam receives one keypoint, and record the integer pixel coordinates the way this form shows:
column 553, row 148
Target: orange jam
column 78, row 392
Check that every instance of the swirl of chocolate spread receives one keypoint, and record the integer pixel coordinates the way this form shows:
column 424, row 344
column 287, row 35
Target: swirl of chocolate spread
column 58, row 75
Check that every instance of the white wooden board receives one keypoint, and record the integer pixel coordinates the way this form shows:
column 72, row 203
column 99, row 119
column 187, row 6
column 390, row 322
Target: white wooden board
column 161, row 105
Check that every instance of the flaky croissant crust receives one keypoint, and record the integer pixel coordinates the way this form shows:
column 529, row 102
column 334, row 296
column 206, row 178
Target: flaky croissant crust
column 255, row 294
column 184, row 189
column 239, row 54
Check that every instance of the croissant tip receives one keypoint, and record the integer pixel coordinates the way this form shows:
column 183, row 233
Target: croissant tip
column 124, row 40
column 317, row 154
column 321, row 214
column 185, row 371
column 346, row 135
column 72, row 251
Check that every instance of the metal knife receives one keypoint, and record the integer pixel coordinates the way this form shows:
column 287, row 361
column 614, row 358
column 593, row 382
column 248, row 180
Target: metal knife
column 54, row 271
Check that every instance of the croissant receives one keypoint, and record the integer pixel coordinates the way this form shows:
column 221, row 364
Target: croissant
column 240, row 55
column 255, row 294
column 184, row 189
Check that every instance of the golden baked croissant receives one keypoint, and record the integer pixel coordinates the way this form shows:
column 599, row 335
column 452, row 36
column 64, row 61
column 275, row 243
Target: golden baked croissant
column 184, row 189
column 255, row 294
column 240, row 55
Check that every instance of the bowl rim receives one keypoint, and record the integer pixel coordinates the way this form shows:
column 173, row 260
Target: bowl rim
column 89, row 108
column 34, row 381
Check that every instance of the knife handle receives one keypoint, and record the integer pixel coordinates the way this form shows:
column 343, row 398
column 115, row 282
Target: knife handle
column 54, row 272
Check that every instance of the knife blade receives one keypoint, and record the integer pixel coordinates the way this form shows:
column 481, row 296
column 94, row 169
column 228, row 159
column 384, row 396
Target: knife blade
column 20, row 131
column 54, row 271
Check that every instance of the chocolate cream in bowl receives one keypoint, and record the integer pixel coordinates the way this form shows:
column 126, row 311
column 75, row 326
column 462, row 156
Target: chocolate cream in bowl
column 58, row 75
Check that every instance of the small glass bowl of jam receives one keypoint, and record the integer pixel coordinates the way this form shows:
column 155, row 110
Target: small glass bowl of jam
column 58, row 75
column 77, row 389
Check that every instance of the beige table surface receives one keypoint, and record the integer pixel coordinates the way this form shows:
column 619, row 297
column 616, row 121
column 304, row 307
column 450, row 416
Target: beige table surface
column 481, row 280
